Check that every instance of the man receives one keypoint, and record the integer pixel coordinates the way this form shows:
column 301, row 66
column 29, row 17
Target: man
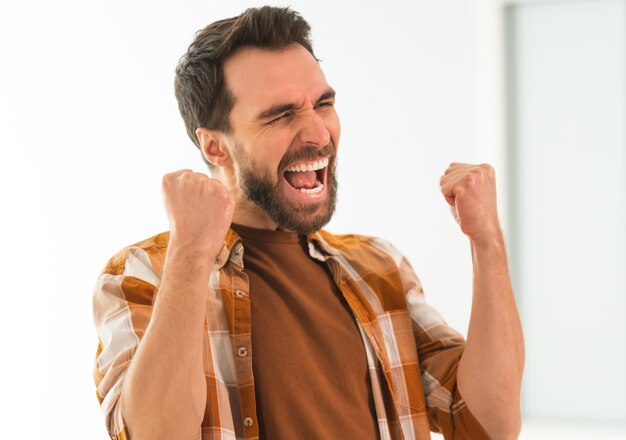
column 246, row 320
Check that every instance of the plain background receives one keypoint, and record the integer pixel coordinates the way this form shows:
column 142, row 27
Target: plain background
column 89, row 125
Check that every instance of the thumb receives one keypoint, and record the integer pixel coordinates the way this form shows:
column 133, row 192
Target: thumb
column 450, row 199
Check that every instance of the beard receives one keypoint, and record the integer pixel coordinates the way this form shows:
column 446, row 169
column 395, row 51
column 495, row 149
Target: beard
column 266, row 192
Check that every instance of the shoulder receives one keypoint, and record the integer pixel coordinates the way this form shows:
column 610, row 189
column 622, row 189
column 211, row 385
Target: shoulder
column 374, row 263
column 143, row 259
column 357, row 246
column 130, row 277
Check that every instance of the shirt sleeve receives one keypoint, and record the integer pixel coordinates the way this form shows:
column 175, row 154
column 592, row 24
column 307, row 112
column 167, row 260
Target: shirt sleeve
column 122, row 306
column 439, row 349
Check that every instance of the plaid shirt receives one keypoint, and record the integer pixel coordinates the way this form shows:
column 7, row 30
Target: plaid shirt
column 412, row 354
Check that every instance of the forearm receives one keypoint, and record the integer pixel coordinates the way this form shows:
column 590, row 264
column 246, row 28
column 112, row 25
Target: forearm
column 490, row 370
column 164, row 393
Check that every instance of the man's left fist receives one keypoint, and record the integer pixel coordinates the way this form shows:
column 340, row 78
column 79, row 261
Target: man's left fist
column 470, row 190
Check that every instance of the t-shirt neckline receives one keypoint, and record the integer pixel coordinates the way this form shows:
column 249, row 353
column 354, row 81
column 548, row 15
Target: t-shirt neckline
column 266, row 235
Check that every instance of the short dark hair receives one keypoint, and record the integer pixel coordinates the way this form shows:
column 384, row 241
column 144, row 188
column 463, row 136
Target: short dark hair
column 204, row 99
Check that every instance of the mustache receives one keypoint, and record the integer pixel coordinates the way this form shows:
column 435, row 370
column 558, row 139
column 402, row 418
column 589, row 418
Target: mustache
column 307, row 153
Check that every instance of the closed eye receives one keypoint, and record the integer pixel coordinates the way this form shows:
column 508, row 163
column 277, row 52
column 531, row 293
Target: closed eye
column 283, row 116
column 326, row 104
column 289, row 114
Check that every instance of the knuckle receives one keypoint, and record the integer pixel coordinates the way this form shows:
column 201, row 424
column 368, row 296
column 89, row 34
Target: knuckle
column 181, row 172
column 212, row 184
column 170, row 176
column 487, row 167
column 476, row 173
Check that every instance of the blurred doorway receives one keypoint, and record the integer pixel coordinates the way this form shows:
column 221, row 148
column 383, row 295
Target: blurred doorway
column 566, row 69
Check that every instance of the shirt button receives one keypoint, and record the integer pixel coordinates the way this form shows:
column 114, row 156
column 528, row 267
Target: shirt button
column 240, row 293
column 242, row 352
column 248, row 422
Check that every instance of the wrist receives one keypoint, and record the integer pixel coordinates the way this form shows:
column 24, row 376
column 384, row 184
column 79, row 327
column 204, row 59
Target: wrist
column 193, row 250
column 490, row 238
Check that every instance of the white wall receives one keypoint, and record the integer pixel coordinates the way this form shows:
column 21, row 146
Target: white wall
column 89, row 124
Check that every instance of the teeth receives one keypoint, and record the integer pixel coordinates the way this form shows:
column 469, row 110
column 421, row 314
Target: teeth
column 316, row 190
column 318, row 165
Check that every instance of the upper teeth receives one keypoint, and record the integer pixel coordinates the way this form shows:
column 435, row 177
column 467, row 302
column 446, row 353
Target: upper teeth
column 311, row 166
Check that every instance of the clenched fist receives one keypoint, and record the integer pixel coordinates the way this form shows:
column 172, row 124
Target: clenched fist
column 199, row 209
column 470, row 190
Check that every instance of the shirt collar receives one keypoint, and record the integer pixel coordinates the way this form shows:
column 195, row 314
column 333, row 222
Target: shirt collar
column 232, row 250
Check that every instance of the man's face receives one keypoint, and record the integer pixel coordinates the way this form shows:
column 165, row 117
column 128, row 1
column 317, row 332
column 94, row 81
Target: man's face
column 285, row 135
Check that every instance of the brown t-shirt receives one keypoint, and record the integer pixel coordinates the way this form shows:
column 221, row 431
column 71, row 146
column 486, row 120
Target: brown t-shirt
column 310, row 371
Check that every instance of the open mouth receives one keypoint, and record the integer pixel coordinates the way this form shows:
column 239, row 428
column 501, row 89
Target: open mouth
column 308, row 177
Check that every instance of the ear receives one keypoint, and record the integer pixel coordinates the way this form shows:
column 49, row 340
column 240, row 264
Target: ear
column 213, row 146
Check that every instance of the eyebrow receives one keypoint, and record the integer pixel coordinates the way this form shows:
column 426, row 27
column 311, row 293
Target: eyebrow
column 277, row 109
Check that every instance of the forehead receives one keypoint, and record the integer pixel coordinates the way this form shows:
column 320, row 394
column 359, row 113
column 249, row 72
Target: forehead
column 259, row 78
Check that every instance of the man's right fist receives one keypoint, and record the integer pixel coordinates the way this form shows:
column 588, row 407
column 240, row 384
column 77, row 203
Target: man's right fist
column 199, row 209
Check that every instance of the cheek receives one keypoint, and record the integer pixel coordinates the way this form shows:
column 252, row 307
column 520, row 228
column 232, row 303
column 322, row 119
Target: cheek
column 274, row 151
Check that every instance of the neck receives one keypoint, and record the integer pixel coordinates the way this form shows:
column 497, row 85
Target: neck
column 249, row 214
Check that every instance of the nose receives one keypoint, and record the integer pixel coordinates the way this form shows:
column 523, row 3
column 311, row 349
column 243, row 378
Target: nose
column 313, row 130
